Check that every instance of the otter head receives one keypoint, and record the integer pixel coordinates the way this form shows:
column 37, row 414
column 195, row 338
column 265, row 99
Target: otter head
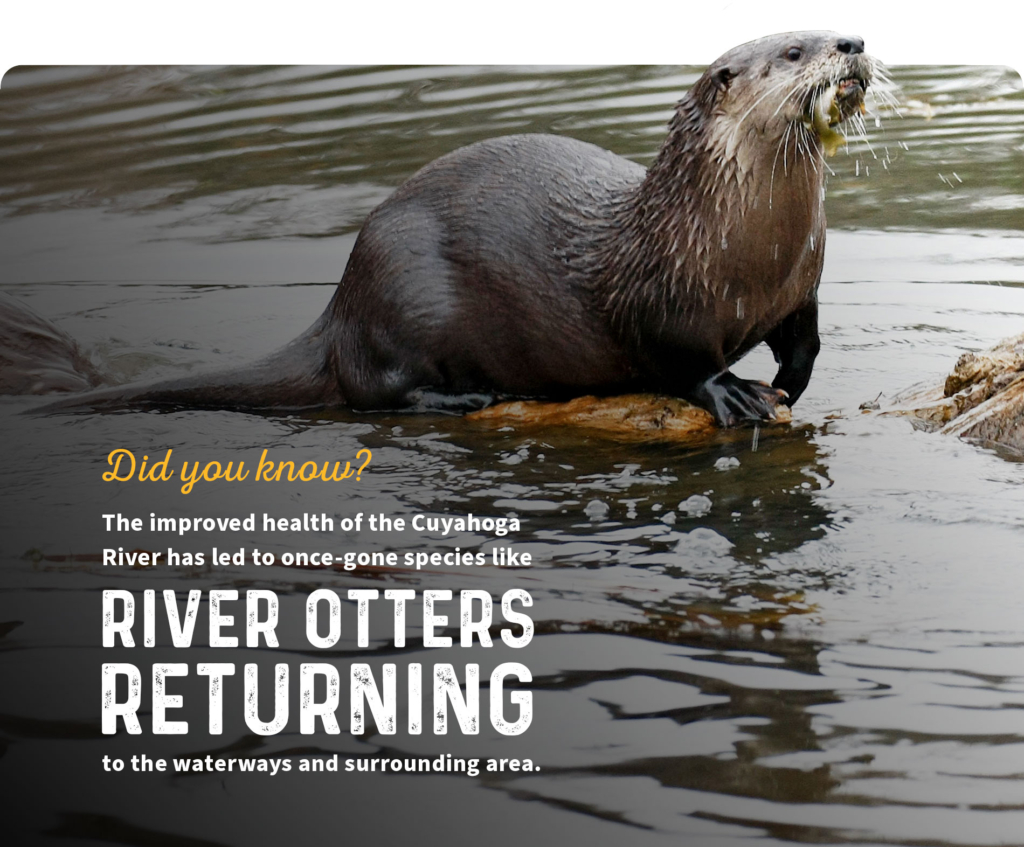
column 809, row 80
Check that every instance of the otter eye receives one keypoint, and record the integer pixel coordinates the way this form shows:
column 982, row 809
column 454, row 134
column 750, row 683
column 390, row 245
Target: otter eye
column 794, row 53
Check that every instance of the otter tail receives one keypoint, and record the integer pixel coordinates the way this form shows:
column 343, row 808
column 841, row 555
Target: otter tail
column 37, row 356
column 298, row 376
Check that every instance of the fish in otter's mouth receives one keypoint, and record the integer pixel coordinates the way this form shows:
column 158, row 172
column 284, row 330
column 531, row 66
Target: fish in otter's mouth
column 832, row 104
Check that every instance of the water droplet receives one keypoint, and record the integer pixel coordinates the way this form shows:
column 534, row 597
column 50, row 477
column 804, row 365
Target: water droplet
column 694, row 507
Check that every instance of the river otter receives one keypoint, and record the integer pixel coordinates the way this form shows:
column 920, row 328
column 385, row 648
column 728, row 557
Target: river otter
column 536, row 265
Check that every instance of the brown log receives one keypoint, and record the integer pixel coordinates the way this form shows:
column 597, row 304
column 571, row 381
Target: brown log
column 634, row 416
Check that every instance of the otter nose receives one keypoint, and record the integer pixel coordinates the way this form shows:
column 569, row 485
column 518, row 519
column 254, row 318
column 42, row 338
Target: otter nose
column 850, row 44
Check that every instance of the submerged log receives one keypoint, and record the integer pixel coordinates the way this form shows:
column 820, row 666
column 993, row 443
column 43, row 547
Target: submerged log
column 639, row 416
column 982, row 399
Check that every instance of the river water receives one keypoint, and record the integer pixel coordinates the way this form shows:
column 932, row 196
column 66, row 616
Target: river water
column 832, row 651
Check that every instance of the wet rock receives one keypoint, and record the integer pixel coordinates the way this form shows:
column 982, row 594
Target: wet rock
column 982, row 399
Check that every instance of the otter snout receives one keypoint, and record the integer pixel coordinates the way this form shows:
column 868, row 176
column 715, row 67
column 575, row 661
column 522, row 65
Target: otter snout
column 852, row 87
column 850, row 44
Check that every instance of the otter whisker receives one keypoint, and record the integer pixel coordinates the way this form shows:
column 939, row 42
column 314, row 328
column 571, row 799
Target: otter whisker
column 796, row 87
column 758, row 101
column 860, row 133
column 800, row 148
column 809, row 156
column 884, row 91
column 783, row 143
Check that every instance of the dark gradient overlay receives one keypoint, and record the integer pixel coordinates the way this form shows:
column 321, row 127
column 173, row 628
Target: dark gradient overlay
column 807, row 634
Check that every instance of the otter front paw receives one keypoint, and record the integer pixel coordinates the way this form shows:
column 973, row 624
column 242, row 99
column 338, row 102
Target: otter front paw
column 733, row 400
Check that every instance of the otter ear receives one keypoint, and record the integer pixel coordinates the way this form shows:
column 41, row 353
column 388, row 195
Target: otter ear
column 722, row 77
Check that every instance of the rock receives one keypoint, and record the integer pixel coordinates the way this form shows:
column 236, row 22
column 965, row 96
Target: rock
column 982, row 399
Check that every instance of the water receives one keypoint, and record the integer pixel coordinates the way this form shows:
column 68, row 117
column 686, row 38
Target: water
column 832, row 653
